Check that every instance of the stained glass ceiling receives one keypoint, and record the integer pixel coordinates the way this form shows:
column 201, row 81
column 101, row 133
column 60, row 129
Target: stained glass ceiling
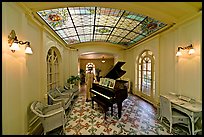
column 85, row 24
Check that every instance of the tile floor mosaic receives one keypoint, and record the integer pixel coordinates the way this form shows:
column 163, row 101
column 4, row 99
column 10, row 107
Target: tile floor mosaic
column 138, row 118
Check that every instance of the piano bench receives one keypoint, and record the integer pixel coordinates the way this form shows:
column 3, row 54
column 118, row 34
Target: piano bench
column 103, row 104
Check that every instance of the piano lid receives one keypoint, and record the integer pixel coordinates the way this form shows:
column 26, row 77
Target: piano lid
column 116, row 72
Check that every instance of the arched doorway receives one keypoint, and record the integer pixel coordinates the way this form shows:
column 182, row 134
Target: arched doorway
column 146, row 75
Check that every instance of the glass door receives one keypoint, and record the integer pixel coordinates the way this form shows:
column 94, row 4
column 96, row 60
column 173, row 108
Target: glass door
column 146, row 75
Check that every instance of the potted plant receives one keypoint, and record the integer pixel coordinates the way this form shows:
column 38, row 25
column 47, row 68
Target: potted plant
column 73, row 80
column 82, row 76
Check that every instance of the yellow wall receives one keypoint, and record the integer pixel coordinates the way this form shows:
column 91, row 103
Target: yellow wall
column 21, row 83
column 24, row 76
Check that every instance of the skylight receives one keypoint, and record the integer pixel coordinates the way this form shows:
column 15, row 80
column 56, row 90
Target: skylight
column 85, row 24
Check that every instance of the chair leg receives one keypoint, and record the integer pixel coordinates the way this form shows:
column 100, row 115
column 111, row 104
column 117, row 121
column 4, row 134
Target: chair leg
column 170, row 127
column 63, row 127
column 189, row 128
column 111, row 110
column 92, row 104
column 161, row 118
column 105, row 114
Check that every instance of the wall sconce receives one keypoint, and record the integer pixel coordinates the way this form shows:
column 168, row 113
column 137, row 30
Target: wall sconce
column 14, row 43
column 103, row 61
column 189, row 48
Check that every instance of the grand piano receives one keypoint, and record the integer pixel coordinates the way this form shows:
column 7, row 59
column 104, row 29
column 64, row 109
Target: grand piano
column 108, row 96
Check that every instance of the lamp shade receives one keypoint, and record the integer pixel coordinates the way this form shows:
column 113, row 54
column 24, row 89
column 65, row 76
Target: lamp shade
column 178, row 53
column 191, row 51
column 28, row 50
column 15, row 46
column 103, row 61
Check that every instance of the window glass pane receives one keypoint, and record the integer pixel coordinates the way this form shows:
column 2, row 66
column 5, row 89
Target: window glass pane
column 148, row 74
column 144, row 66
column 149, row 66
column 144, row 78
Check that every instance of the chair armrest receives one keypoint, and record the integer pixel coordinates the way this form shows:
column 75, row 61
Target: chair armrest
column 65, row 87
column 65, row 95
column 67, row 92
column 60, row 90
column 56, row 99
column 54, row 113
column 52, row 107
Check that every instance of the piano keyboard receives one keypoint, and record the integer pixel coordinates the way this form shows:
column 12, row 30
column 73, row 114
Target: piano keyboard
column 100, row 94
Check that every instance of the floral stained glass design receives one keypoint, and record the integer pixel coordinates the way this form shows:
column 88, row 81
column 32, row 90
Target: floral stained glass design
column 85, row 24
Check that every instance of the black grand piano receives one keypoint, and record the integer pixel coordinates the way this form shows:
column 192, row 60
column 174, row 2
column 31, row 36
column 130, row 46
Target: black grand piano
column 106, row 96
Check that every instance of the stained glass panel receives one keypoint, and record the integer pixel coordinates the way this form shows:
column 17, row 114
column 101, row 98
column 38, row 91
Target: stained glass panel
column 120, row 32
column 102, row 30
column 115, row 39
column 84, row 24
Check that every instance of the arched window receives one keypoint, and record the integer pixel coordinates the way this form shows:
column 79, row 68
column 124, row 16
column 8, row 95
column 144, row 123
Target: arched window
column 145, row 81
column 53, row 72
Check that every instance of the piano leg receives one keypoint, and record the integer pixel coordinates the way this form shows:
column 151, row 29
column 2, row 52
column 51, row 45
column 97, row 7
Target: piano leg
column 105, row 114
column 119, row 104
column 92, row 101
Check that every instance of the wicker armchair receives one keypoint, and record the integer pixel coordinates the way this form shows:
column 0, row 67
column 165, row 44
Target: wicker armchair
column 51, row 116
column 74, row 91
column 56, row 97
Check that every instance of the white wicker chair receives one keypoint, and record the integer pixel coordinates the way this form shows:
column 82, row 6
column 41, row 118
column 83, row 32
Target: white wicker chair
column 51, row 116
column 172, row 115
column 74, row 91
column 56, row 97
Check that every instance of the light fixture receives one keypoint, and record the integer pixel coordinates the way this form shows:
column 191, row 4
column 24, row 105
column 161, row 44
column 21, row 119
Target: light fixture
column 189, row 48
column 103, row 61
column 14, row 43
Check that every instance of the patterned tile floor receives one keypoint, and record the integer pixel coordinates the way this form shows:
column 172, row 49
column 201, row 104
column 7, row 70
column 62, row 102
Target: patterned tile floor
column 138, row 118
